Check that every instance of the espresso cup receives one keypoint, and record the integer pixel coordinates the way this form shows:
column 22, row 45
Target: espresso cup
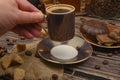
column 61, row 22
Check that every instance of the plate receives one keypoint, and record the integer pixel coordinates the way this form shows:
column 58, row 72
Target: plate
column 84, row 50
column 96, row 43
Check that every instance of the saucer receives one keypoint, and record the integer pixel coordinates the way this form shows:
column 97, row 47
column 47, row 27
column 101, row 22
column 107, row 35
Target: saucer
column 96, row 43
column 84, row 50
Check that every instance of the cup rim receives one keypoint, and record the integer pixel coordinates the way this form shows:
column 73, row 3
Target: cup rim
column 56, row 5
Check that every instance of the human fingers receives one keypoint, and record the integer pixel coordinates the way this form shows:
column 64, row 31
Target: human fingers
column 23, row 32
column 30, row 17
column 34, row 30
column 27, row 34
column 37, row 27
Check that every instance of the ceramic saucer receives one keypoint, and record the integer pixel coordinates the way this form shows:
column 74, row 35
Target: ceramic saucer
column 84, row 50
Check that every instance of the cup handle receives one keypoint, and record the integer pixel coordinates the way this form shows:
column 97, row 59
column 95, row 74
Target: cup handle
column 43, row 27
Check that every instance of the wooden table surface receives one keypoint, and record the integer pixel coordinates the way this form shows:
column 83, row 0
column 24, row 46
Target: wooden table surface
column 94, row 68
column 85, row 70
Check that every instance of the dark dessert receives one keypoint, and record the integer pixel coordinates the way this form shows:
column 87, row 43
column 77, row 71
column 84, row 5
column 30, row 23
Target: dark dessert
column 103, row 39
column 91, row 28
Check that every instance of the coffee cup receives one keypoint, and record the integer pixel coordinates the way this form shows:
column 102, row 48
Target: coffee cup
column 61, row 22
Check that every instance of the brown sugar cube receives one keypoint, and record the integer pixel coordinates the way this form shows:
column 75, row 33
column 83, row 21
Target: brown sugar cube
column 6, row 61
column 103, row 39
column 18, row 59
column 21, row 47
column 19, row 74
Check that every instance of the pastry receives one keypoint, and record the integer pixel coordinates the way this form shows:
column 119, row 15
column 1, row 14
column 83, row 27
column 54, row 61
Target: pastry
column 103, row 39
column 91, row 28
column 115, row 34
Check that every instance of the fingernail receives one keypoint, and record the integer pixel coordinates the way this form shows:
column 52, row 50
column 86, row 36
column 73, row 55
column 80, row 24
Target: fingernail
column 39, row 17
column 30, row 36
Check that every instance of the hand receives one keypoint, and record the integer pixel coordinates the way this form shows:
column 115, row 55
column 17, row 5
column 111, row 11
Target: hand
column 21, row 17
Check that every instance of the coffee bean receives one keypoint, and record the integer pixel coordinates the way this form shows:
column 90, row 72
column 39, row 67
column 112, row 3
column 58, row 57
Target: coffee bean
column 109, row 54
column 5, row 50
column 97, row 67
column 105, row 62
column 22, row 37
column 54, row 77
column 28, row 53
column 78, row 47
column 10, row 43
column 1, row 51
column 95, row 53
column 82, row 19
column 7, row 39
column 14, row 40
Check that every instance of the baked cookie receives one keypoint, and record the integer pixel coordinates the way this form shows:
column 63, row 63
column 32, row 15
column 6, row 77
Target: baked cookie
column 6, row 61
column 19, row 74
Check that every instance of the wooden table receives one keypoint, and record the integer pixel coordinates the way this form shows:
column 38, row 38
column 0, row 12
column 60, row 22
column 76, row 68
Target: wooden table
column 107, row 61
column 103, row 65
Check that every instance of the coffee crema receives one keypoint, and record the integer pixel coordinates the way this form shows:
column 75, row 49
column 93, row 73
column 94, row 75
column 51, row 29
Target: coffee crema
column 60, row 10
